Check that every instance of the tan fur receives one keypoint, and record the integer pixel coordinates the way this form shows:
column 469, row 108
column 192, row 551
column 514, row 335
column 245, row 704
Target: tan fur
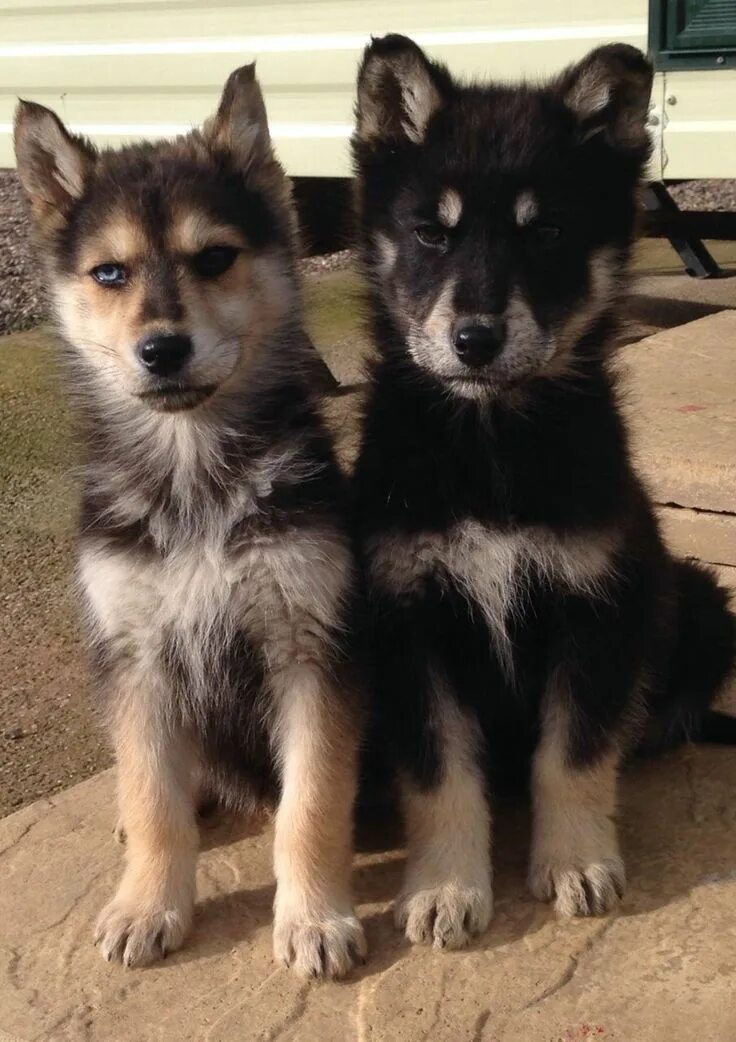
column 103, row 324
column 191, row 232
column 420, row 98
column 119, row 240
column 446, row 896
column 526, row 208
column 609, row 96
column 317, row 749
column 450, row 208
column 424, row 334
column 605, row 282
column 284, row 591
column 575, row 855
column 388, row 251
column 226, row 317
column 240, row 127
column 590, row 93
column 295, row 585
column 52, row 164
column 152, row 909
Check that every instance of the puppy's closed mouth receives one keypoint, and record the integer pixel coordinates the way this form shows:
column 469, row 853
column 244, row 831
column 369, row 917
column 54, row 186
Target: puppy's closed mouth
column 175, row 397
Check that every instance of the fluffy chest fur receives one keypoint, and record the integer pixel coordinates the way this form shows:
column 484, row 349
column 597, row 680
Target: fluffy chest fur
column 492, row 568
column 202, row 592
column 209, row 622
column 211, row 577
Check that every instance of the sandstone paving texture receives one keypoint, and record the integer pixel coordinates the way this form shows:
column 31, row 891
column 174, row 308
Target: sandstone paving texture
column 681, row 393
column 663, row 969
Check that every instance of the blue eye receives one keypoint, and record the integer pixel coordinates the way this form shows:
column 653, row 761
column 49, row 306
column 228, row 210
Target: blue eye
column 110, row 275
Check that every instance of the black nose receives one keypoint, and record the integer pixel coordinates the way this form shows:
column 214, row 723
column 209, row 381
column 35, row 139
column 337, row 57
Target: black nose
column 477, row 345
column 165, row 353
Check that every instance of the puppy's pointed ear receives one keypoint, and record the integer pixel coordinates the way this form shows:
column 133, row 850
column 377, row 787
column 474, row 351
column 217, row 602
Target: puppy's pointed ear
column 240, row 127
column 608, row 91
column 53, row 165
column 399, row 90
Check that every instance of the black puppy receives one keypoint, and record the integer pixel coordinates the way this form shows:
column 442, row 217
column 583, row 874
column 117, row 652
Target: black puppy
column 523, row 604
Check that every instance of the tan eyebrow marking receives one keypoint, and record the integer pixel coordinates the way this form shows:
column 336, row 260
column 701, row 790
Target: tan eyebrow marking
column 192, row 232
column 526, row 208
column 449, row 208
column 121, row 239
column 387, row 250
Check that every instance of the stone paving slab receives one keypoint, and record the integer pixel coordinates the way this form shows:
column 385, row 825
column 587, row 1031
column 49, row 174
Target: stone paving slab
column 680, row 397
column 661, row 970
column 701, row 535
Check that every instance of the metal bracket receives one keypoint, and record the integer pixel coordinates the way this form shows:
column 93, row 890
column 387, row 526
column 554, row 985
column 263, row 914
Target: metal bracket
column 694, row 255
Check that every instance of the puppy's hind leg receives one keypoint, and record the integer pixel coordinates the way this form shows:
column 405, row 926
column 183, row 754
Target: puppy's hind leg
column 446, row 897
column 152, row 909
column 315, row 927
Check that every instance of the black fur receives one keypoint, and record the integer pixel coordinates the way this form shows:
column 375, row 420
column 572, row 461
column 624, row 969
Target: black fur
column 654, row 641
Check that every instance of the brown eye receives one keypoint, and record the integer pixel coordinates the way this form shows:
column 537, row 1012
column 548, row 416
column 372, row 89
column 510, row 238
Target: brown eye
column 214, row 261
column 546, row 234
column 432, row 236
column 111, row 275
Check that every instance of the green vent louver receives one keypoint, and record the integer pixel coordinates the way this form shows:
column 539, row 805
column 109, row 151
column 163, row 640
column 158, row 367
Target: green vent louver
column 693, row 34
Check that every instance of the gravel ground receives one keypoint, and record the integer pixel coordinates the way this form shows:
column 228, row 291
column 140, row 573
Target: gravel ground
column 21, row 295
column 705, row 195
column 21, row 301
column 327, row 262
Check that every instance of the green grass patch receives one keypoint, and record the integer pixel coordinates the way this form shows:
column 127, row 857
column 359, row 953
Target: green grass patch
column 333, row 302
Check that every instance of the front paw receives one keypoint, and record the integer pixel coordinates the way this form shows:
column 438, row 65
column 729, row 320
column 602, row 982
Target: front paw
column 319, row 945
column 445, row 916
column 591, row 886
column 136, row 933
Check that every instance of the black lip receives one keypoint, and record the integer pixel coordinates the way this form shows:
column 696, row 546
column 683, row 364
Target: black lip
column 172, row 397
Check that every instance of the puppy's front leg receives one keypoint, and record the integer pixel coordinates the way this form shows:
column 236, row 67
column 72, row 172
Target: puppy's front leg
column 446, row 897
column 152, row 909
column 575, row 854
column 315, row 927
